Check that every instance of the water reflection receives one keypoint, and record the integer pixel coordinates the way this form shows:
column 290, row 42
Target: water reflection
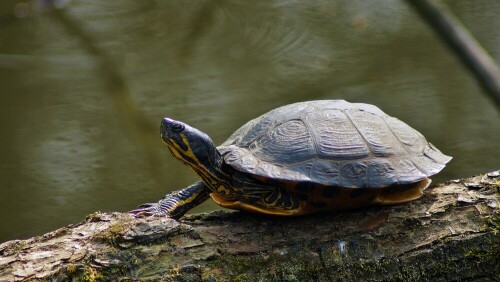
column 69, row 149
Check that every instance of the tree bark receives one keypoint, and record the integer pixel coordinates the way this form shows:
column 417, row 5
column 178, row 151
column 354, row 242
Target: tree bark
column 451, row 233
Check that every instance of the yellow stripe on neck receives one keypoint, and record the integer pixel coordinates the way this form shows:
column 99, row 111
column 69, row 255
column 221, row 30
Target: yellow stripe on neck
column 218, row 182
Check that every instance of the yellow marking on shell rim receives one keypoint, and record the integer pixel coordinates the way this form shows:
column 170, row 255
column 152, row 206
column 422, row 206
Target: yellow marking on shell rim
column 242, row 206
column 412, row 192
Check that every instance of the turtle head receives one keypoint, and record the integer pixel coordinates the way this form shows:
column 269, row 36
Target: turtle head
column 195, row 149
column 190, row 145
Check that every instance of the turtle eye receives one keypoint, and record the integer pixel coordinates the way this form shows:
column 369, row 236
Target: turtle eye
column 177, row 127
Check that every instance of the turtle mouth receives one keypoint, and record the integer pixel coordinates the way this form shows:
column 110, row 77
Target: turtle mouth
column 165, row 138
column 163, row 130
column 169, row 143
column 164, row 134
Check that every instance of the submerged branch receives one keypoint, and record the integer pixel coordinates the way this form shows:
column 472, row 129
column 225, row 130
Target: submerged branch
column 137, row 126
column 473, row 55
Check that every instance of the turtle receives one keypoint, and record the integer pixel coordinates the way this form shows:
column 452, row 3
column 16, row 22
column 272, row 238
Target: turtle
column 302, row 158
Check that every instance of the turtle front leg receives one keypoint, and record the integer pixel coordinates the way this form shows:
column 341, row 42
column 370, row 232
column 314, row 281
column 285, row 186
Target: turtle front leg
column 177, row 203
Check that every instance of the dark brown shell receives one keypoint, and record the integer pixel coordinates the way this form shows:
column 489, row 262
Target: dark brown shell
column 335, row 143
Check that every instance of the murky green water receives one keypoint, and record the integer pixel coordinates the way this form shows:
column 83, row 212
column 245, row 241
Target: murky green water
column 82, row 91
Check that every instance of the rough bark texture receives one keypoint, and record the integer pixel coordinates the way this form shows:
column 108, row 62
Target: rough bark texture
column 451, row 233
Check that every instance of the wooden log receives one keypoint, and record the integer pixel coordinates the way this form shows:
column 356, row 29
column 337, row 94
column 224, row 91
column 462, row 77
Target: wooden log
column 451, row 233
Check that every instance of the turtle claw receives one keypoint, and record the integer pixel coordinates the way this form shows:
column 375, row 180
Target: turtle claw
column 148, row 209
column 145, row 206
column 139, row 214
column 175, row 204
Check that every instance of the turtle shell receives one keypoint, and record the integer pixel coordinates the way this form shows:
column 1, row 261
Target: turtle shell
column 334, row 143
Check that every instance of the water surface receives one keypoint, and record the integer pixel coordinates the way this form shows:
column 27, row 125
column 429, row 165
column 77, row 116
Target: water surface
column 82, row 91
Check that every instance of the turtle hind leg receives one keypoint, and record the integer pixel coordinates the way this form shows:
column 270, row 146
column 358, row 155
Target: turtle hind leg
column 401, row 193
column 177, row 203
column 276, row 202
